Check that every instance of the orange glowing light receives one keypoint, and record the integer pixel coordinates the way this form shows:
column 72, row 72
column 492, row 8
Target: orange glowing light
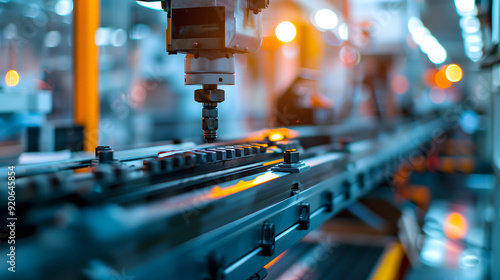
column 275, row 260
column 400, row 84
column 12, row 78
column 441, row 80
column 272, row 162
column 275, row 134
column 217, row 191
column 454, row 73
column 276, row 137
column 286, row 32
column 455, row 226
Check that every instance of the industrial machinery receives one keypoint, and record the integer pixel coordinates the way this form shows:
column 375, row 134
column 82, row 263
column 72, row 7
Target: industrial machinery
column 210, row 33
column 375, row 163
column 199, row 212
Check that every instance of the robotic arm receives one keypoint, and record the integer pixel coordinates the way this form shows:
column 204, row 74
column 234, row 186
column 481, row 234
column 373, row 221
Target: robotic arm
column 210, row 32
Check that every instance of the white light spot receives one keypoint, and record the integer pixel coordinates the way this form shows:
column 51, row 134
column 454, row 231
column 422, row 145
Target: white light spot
column 52, row 39
column 286, row 31
column 465, row 5
column 344, row 32
column 151, row 5
column 64, row 7
column 326, row 19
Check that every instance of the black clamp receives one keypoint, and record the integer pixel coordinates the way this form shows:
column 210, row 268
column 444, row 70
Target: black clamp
column 103, row 155
column 304, row 216
column 327, row 201
column 215, row 267
column 295, row 190
column 346, row 189
column 260, row 275
column 268, row 241
column 291, row 163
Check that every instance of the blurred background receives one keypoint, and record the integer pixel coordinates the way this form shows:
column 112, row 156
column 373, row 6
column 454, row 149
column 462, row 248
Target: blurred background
column 321, row 62
column 355, row 59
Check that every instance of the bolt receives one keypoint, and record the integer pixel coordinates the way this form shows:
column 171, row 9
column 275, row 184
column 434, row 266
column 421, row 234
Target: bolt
column 291, row 156
column 101, row 148
column 196, row 44
column 105, row 156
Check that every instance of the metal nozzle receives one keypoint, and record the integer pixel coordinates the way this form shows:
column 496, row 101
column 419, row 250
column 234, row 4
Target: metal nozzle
column 210, row 122
column 209, row 96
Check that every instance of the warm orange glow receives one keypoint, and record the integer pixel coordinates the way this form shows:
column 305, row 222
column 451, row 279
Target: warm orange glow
column 441, row 80
column 286, row 32
column 275, row 260
column 400, row 84
column 454, row 73
column 217, row 191
column 275, row 134
column 276, row 137
column 428, row 77
column 12, row 78
column 455, row 226
column 272, row 162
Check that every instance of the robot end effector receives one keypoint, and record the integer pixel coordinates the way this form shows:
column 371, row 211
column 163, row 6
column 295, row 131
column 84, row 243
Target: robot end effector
column 210, row 32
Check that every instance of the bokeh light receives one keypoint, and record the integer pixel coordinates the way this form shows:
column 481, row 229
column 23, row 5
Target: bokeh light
column 276, row 137
column 428, row 77
column 400, row 84
column 344, row 32
column 455, row 226
column 326, row 19
column 437, row 95
column 441, row 80
column 286, row 32
column 12, row 78
column 64, row 7
column 465, row 5
column 349, row 56
column 454, row 73
column 469, row 121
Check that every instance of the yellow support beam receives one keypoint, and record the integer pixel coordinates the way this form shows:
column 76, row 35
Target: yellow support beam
column 86, row 65
column 390, row 264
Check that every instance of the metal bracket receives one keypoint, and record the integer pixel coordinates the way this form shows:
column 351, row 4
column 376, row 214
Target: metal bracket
column 304, row 216
column 291, row 167
column 268, row 239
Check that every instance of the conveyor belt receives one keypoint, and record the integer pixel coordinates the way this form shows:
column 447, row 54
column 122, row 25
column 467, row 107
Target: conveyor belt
column 215, row 223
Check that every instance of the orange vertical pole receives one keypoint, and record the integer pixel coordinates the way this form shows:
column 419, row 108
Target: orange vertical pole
column 86, row 66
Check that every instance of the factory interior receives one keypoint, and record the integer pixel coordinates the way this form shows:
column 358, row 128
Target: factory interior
column 249, row 139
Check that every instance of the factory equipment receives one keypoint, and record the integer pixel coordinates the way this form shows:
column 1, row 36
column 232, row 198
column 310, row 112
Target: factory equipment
column 210, row 33
column 344, row 188
column 200, row 212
